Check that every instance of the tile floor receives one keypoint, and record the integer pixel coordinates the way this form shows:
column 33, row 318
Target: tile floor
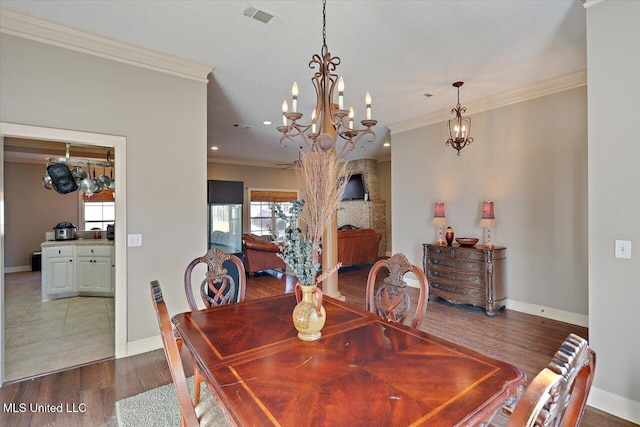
column 47, row 336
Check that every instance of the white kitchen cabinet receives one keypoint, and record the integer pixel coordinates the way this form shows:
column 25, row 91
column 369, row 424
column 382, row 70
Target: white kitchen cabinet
column 72, row 269
column 94, row 269
column 59, row 270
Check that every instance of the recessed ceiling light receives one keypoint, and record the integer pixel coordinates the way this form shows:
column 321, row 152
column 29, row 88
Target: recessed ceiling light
column 214, row 148
column 386, row 144
column 266, row 122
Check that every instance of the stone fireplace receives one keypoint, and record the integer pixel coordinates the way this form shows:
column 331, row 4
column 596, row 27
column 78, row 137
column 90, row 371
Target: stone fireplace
column 365, row 214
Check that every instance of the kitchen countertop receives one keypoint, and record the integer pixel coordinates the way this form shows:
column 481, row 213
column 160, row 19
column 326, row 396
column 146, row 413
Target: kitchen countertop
column 78, row 242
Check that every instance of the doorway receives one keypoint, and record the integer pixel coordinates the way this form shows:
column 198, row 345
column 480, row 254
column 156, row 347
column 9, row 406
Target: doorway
column 86, row 139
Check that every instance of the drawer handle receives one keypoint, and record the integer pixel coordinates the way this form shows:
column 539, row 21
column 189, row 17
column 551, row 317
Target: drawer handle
column 435, row 285
column 435, row 261
column 59, row 251
column 435, row 273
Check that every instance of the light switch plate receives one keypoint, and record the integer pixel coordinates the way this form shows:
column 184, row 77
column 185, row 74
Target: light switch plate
column 134, row 240
column 623, row 249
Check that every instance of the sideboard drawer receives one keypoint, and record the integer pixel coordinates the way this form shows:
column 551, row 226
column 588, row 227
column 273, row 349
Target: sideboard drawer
column 455, row 263
column 456, row 252
column 457, row 293
column 456, row 276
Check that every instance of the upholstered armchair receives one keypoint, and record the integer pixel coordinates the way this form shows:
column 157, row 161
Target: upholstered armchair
column 260, row 254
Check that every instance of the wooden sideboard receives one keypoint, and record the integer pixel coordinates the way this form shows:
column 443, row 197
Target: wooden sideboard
column 467, row 275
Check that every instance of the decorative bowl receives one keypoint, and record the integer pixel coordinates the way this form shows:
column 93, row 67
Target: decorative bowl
column 466, row 241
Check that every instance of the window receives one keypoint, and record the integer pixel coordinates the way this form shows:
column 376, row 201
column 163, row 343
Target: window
column 99, row 211
column 263, row 219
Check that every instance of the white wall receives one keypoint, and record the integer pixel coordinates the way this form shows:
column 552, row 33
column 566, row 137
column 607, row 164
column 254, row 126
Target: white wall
column 530, row 158
column 163, row 118
column 613, row 52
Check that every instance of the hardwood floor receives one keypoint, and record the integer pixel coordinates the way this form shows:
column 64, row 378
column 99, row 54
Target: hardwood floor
column 523, row 340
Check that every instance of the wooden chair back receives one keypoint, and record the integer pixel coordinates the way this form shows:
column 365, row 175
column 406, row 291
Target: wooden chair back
column 391, row 299
column 220, row 285
column 174, row 360
column 558, row 394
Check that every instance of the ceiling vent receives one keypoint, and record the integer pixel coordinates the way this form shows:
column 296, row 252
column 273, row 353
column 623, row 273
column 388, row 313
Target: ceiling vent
column 261, row 15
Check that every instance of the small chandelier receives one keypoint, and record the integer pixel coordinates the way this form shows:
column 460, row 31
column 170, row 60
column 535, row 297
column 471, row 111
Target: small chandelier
column 329, row 121
column 459, row 126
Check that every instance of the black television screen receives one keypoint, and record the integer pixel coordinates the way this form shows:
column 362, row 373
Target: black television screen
column 355, row 188
column 225, row 192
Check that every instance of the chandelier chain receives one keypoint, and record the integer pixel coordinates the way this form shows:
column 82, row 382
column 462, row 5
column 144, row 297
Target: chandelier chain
column 324, row 22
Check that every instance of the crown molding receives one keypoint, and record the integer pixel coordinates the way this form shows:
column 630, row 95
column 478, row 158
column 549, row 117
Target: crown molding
column 525, row 93
column 242, row 162
column 588, row 3
column 29, row 27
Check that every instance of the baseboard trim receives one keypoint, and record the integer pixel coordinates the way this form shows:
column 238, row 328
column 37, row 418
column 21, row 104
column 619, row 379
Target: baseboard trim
column 614, row 404
column 533, row 309
column 17, row 269
column 144, row 345
column 549, row 313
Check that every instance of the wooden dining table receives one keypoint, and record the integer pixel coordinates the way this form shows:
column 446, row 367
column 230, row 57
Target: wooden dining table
column 363, row 371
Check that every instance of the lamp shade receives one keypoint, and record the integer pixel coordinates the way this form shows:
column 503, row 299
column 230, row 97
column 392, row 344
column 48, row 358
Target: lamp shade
column 488, row 216
column 438, row 215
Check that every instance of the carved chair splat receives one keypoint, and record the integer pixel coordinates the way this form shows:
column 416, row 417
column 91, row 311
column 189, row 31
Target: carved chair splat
column 218, row 287
column 391, row 299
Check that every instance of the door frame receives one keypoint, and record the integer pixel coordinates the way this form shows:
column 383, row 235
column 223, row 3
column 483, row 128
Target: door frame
column 85, row 138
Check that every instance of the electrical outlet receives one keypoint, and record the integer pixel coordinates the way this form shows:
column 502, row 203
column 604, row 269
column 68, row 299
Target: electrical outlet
column 134, row 240
column 623, row 249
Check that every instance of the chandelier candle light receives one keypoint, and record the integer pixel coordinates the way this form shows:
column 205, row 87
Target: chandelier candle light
column 331, row 129
column 488, row 221
column 331, row 122
column 439, row 220
column 459, row 126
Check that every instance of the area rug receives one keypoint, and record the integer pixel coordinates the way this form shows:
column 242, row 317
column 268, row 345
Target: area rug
column 159, row 407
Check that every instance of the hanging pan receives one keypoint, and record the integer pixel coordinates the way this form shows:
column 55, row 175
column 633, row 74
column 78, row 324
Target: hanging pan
column 88, row 185
column 62, row 178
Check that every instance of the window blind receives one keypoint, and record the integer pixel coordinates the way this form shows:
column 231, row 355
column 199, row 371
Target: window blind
column 105, row 195
column 273, row 196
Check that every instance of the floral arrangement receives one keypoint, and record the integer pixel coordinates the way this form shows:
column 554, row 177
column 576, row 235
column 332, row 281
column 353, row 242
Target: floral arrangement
column 322, row 183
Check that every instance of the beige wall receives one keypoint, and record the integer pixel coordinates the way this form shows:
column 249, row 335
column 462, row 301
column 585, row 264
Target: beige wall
column 163, row 118
column 31, row 211
column 613, row 53
column 529, row 158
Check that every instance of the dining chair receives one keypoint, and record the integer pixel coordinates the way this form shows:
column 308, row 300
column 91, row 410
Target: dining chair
column 202, row 413
column 558, row 394
column 224, row 283
column 391, row 299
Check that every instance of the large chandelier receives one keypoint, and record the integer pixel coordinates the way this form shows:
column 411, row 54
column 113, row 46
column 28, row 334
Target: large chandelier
column 459, row 126
column 331, row 126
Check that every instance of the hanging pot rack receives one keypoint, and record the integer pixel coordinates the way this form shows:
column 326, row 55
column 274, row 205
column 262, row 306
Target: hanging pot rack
column 65, row 174
column 74, row 161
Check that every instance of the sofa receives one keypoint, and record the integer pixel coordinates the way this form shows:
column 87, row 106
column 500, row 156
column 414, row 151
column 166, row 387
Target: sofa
column 358, row 246
column 260, row 254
